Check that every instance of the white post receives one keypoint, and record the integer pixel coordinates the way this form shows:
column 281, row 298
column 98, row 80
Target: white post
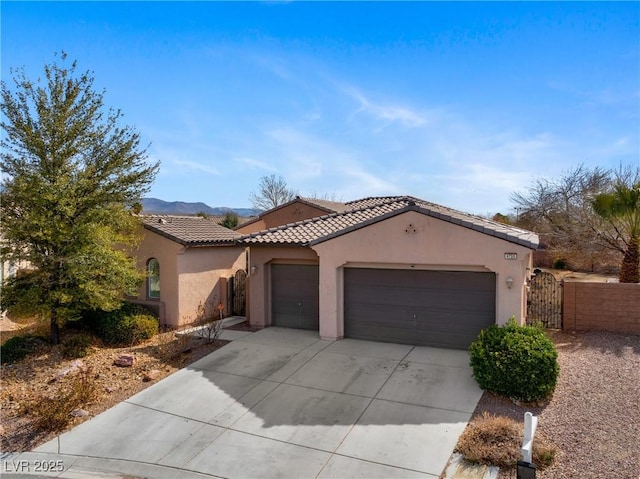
column 530, row 424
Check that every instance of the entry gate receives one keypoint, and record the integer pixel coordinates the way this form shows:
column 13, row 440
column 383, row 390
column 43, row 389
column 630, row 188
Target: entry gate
column 544, row 301
column 239, row 293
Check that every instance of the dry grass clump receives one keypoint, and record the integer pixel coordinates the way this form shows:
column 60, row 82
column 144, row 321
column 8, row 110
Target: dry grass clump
column 496, row 441
column 54, row 413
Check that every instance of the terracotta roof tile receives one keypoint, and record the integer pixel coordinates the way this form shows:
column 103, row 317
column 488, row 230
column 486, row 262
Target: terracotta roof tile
column 190, row 230
column 371, row 210
column 330, row 206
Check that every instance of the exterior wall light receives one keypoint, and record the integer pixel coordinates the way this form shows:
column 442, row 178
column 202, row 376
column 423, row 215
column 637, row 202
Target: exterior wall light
column 509, row 282
column 254, row 270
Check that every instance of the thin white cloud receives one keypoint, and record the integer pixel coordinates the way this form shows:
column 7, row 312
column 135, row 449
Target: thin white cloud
column 386, row 112
column 491, row 178
column 514, row 148
column 194, row 166
column 302, row 154
column 361, row 182
column 314, row 164
column 618, row 147
column 275, row 65
column 604, row 97
column 261, row 165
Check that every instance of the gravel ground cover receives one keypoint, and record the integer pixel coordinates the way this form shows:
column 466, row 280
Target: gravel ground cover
column 40, row 376
column 593, row 417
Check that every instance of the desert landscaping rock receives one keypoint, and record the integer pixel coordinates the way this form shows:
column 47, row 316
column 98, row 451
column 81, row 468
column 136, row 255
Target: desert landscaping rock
column 73, row 368
column 34, row 378
column 151, row 375
column 125, row 360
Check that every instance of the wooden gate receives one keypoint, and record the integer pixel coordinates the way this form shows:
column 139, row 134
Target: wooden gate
column 544, row 301
column 239, row 293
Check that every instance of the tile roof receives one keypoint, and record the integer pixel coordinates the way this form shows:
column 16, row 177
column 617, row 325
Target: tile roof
column 190, row 230
column 326, row 205
column 330, row 206
column 368, row 211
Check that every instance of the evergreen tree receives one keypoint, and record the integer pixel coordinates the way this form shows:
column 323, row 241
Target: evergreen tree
column 71, row 178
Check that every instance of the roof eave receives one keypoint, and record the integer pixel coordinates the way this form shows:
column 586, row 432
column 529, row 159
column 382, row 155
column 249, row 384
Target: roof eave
column 164, row 234
column 434, row 214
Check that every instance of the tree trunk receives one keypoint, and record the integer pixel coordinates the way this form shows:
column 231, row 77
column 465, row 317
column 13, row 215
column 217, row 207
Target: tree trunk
column 55, row 328
column 629, row 270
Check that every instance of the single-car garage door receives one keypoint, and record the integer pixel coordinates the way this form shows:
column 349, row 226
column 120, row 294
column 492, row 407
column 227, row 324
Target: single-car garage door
column 294, row 296
column 444, row 309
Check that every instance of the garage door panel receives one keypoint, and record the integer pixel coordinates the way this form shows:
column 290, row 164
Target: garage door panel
column 295, row 296
column 431, row 308
column 395, row 334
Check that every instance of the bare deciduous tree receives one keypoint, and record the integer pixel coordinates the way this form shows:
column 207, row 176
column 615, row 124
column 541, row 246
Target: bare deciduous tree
column 272, row 191
column 561, row 212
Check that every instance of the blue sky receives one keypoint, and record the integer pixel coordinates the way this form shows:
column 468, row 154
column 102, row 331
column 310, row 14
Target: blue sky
column 456, row 103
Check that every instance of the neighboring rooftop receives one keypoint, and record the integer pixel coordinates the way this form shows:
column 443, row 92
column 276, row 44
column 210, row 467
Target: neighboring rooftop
column 325, row 205
column 190, row 230
column 330, row 206
column 360, row 213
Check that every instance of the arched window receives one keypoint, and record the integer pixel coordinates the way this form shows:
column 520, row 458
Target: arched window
column 153, row 279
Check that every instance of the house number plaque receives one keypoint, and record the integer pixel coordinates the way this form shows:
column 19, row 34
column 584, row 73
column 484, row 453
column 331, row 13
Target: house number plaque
column 511, row 256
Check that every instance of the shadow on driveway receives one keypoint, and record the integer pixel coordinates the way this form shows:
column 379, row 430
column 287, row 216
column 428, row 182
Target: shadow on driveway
column 283, row 403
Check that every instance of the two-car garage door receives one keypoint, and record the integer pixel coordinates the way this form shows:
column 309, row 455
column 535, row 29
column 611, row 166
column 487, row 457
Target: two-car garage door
column 429, row 308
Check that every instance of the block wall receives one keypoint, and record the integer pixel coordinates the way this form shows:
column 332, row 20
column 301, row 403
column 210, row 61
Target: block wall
column 601, row 306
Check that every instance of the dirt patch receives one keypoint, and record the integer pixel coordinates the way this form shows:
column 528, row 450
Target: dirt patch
column 45, row 373
column 7, row 324
column 567, row 275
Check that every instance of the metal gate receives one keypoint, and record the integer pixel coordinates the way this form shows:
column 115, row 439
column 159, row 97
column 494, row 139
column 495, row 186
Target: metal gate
column 544, row 301
column 239, row 293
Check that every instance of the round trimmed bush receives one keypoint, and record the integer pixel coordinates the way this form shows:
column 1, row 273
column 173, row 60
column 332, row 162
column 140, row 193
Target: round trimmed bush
column 519, row 362
column 129, row 325
column 144, row 326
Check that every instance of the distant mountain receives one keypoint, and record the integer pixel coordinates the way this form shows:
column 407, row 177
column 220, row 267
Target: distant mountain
column 154, row 205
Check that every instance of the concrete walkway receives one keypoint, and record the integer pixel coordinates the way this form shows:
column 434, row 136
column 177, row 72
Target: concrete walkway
column 278, row 403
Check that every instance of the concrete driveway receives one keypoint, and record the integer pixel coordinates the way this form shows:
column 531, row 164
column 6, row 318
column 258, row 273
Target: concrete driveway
column 282, row 403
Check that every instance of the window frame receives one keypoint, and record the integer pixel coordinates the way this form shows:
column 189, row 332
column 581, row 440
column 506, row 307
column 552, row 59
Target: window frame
column 153, row 276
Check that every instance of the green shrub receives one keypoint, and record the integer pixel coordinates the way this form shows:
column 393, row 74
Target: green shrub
column 77, row 346
column 130, row 324
column 18, row 347
column 559, row 263
column 515, row 361
column 145, row 327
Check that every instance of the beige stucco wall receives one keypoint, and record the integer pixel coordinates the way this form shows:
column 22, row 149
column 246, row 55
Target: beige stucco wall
column 296, row 211
column 188, row 276
column 166, row 252
column 429, row 244
column 258, row 284
column 203, row 274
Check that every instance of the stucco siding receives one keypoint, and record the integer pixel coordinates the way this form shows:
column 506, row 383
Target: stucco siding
column 203, row 274
column 165, row 251
column 251, row 227
column 414, row 240
column 188, row 276
column 282, row 216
